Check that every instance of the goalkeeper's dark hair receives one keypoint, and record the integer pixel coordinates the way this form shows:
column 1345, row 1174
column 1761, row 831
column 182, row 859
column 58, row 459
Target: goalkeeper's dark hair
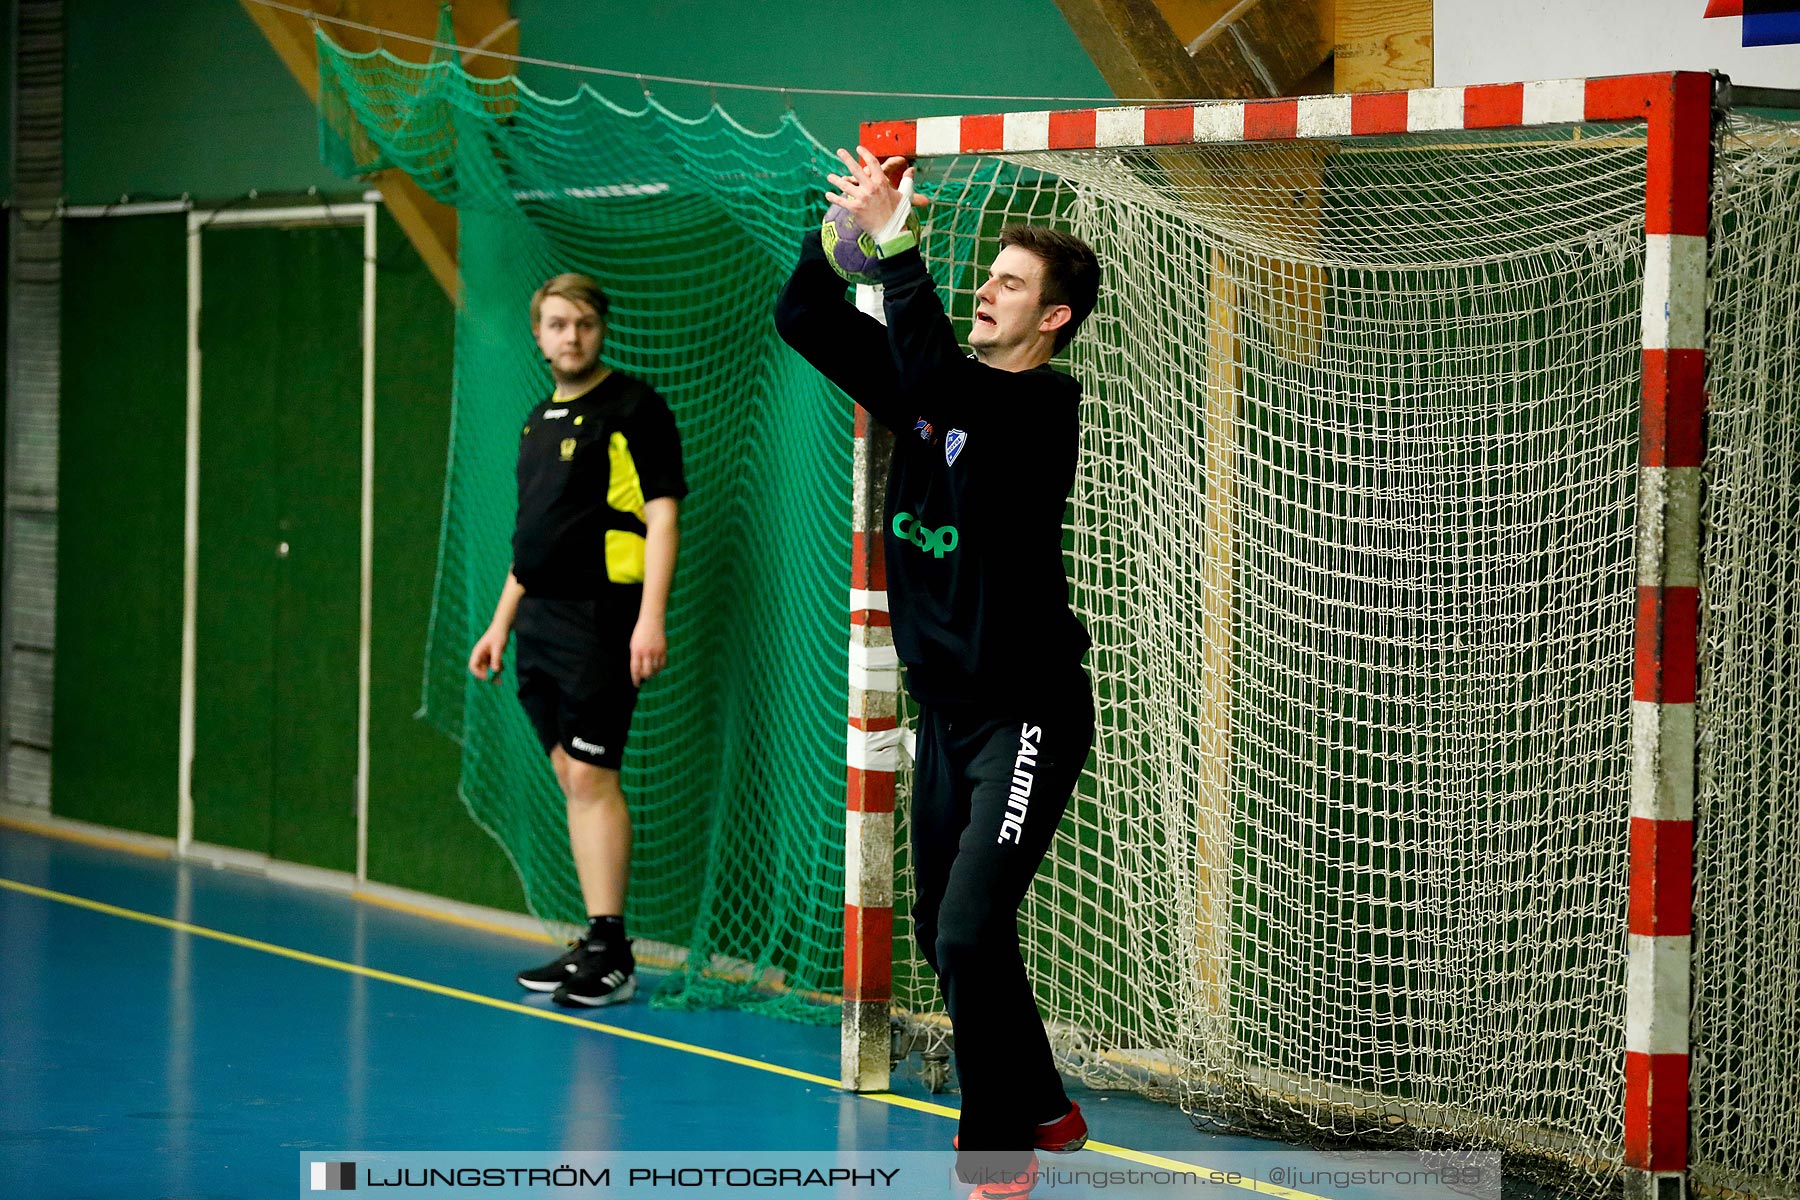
column 1071, row 271
column 577, row 289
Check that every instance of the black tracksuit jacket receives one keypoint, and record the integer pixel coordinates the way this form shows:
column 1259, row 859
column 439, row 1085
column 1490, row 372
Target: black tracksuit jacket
column 984, row 460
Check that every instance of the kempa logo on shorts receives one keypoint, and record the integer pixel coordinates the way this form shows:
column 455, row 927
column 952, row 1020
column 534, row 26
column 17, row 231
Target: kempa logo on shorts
column 1018, row 800
column 576, row 743
column 936, row 542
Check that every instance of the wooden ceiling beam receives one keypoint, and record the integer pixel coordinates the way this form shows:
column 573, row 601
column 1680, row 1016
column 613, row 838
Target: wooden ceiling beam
column 1263, row 48
column 1189, row 19
column 1205, row 49
column 1134, row 47
column 1383, row 45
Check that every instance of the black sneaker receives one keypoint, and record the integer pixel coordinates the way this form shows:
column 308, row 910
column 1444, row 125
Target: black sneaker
column 606, row 976
column 552, row 975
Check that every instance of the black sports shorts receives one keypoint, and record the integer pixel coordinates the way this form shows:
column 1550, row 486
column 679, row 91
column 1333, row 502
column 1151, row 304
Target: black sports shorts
column 574, row 664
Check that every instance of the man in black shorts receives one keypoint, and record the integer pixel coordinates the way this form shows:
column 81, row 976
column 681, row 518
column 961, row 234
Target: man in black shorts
column 600, row 487
column 985, row 447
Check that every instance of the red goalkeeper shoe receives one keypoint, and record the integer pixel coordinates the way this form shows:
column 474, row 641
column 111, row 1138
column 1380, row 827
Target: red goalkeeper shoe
column 1012, row 1187
column 1065, row 1135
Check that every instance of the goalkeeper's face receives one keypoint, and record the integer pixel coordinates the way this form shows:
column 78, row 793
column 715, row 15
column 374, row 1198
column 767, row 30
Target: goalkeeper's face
column 1013, row 325
column 569, row 333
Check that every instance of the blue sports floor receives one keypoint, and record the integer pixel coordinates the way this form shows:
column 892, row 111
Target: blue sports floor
column 172, row 1029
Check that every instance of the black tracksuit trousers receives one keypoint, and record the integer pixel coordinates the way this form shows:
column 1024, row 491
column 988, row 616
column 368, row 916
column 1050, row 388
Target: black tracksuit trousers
column 991, row 783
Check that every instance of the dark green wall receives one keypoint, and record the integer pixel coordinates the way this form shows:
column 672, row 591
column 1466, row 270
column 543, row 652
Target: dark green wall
column 118, row 681
column 1006, row 47
column 190, row 98
column 420, row 836
column 120, row 505
column 166, row 99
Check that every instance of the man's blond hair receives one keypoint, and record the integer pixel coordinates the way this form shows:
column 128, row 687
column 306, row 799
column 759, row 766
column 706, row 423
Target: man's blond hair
column 577, row 289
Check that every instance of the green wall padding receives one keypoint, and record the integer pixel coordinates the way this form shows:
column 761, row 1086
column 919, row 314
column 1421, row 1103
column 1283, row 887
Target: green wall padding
column 119, row 551
column 420, row 835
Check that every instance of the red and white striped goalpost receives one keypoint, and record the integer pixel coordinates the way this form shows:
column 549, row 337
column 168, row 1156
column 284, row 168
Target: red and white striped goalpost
column 1678, row 110
column 873, row 754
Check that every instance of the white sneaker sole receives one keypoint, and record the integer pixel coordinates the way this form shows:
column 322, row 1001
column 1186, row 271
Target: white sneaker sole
column 540, row 985
column 618, row 995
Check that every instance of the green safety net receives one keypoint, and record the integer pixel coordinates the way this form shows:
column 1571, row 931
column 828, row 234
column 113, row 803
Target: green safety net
column 735, row 769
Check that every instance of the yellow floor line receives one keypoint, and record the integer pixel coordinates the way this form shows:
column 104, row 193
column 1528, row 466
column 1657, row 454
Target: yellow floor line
column 85, row 838
column 360, row 895
column 438, row 989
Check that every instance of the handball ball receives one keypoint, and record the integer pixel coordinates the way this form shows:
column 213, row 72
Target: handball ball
column 850, row 250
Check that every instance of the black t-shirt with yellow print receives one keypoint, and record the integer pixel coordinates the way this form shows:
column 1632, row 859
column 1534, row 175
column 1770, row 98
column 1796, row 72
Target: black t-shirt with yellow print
column 587, row 466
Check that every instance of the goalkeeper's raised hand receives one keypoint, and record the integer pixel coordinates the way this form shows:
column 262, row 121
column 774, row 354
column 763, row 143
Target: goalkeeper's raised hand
column 878, row 194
